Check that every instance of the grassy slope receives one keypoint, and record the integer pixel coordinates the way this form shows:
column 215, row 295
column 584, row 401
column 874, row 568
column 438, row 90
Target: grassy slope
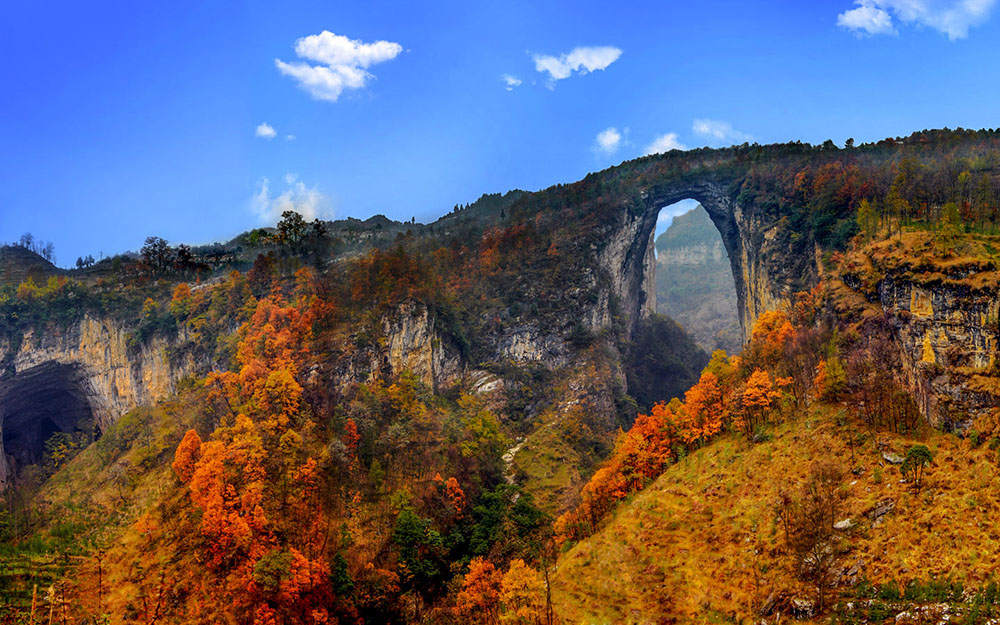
column 103, row 495
column 682, row 549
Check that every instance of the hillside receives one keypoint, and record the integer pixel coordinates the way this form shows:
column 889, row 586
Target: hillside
column 694, row 282
column 17, row 264
column 816, row 512
column 704, row 542
column 380, row 422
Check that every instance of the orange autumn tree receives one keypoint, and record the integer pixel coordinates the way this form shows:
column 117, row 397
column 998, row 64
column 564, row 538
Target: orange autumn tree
column 758, row 399
column 705, row 408
column 640, row 455
column 187, row 455
column 255, row 481
column 770, row 334
column 479, row 599
column 830, row 379
column 733, row 393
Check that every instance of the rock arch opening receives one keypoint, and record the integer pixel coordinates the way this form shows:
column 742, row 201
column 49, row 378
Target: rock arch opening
column 35, row 404
column 693, row 277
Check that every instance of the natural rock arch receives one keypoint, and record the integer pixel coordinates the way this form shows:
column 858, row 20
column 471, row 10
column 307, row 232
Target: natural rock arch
column 630, row 259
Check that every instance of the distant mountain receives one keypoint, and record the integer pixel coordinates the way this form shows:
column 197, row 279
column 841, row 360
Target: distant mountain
column 694, row 282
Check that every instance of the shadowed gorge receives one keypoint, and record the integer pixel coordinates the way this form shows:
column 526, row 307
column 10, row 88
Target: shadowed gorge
column 694, row 282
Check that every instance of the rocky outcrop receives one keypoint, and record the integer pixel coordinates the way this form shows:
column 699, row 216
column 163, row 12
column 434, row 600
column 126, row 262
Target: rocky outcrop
column 413, row 343
column 117, row 377
column 943, row 313
column 948, row 338
column 57, row 378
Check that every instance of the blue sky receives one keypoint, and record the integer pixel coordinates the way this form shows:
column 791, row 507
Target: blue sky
column 124, row 120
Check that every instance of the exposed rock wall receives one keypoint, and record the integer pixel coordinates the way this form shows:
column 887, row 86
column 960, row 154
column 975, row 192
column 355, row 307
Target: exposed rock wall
column 117, row 378
column 948, row 339
column 107, row 376
column 414, row 344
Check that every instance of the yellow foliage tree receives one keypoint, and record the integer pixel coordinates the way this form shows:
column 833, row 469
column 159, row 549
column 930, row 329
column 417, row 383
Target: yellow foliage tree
column 522, row 595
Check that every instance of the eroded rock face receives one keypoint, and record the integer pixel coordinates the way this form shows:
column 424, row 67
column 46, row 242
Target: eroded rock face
column 413, row 344
column 59, row 377
column 947, row 334
column 116, row 377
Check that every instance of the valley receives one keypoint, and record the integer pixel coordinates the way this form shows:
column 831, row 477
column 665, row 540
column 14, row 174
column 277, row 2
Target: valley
column 521, row 412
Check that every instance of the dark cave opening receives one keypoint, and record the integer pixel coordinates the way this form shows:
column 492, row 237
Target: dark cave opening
column 38, row 402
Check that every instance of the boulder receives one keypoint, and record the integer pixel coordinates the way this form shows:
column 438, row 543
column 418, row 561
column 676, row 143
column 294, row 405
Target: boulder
column 881, row 509
column 892, row 458
column 803, row 608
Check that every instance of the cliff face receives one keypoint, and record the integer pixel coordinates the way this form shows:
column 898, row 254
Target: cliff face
column 117, row 378
column 944, row 313
column 948, row 335
column 413, row 343
column 81, row 376
column 86, row 375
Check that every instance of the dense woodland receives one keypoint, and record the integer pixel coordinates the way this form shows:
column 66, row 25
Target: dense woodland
column 274, row 489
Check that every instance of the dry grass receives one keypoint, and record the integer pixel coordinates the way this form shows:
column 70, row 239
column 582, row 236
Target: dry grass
column 683, row 549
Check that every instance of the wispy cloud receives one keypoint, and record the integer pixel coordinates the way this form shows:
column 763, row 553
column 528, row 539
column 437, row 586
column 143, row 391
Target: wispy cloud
column 511, row 82
column 665, row 143
column 608, row 141
column 953, row 18
column 265, row 131
column 342, row 63
column 718, row 132
column 581, row 60
column 309, row 202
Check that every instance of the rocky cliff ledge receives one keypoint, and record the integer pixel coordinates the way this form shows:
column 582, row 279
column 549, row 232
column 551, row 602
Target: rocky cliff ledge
column 944, row 312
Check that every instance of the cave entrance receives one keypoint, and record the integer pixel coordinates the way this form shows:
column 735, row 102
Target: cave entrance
column 37, row 403
column 694, row 277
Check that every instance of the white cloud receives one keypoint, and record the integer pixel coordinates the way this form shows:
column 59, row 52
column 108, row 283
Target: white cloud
column 289, row 137
column 719, row 132
column 511, row 81
column 342, row 63
column 867, row 18
column 665, row 143
column 608, row 141
column 581, row 60
column 309, row 202
column 953, row 18
column 265, row 131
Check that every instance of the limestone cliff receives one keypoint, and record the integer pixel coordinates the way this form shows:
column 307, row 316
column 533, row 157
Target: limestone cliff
column 119, row 378
column 88, row 363
column 413, row 343
column 944, row 312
